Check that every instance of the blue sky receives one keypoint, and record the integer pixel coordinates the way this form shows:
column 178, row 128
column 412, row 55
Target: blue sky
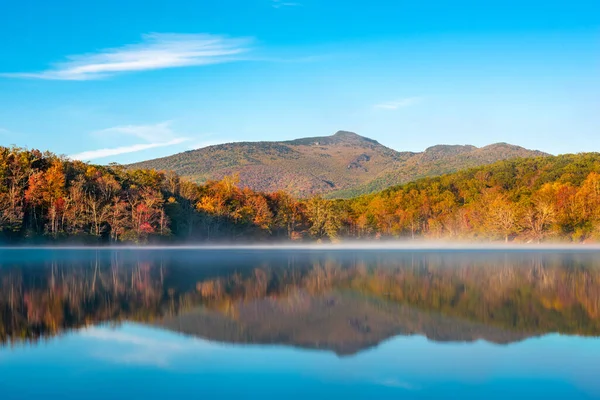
column 130, row 80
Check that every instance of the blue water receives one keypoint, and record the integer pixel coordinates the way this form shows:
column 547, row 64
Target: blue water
column 133, row 361
column 128, row 358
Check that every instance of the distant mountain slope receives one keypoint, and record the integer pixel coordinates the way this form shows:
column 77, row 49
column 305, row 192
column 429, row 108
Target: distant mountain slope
column 439, row 160
column 344, row 323
column 341, row 165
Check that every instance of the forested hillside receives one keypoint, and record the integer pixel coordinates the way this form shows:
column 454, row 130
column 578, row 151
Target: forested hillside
column 436, row 161
column 339, row 166
column 47, row 198
column 546, row 198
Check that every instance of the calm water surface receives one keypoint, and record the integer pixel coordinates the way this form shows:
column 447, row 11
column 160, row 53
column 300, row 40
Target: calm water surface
column 162, row 324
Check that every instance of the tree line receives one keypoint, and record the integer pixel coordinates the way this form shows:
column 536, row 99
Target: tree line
column 531, row 295
column 44, row 197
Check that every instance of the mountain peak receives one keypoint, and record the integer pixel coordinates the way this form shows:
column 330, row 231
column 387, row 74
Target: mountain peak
column 340, row 137
column 348, row 136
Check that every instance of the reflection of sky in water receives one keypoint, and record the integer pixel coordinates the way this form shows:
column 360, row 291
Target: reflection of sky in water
column 134, row 361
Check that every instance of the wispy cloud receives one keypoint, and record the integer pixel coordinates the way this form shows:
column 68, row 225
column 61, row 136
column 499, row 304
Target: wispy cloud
column 151, row 133
column 283, row 3
column 397, row 383
column 107, row 334
column 156, row 51
column 205, row 143
column 139, row 350
column 115, row 151
column 400, row 103
column 134, row 344
column 4, row 131
column 155, row 136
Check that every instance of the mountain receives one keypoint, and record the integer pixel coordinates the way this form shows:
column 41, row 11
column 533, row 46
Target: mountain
column 440, row 160
column 341, row 165
column 341, row 322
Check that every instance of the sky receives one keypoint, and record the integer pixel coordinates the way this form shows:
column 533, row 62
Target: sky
column 129, row 80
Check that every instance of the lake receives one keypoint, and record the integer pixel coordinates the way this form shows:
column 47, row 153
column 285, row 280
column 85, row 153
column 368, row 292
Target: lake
column 296, row 323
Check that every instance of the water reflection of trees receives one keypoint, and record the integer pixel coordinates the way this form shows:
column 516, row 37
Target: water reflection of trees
column 530, row 295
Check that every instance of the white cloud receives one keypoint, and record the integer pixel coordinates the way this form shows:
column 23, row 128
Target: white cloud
column 107, row 334
column 206, row 143
column 115, row 151
column 157, row 135
column 134, row 344
column 156, row 51
column 140, row 350
column 281, row 3
column 397, row 383
column 150, row 133
column 394, row 105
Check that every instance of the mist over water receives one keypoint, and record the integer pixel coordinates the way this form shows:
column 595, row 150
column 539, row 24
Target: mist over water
column 375, row 319
column 363, row 244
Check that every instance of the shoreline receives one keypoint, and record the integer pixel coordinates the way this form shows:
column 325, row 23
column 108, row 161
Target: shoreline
column 383, row 246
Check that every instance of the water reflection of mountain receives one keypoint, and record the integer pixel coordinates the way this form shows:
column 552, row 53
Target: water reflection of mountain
column 344, row 302
column 343, row 322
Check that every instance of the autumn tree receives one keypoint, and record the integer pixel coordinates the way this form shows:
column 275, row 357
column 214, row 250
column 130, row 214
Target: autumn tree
column 540, row 213
column 502, row 216
column 321, row 214
column 287, row 212
column 15, row 168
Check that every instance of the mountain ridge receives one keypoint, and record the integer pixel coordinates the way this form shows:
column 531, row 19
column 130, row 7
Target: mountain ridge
column 338, row 321
column 344, row 164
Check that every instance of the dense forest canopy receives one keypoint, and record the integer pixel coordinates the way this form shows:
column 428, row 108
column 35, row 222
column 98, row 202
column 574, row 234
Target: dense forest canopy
column 44, row 197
